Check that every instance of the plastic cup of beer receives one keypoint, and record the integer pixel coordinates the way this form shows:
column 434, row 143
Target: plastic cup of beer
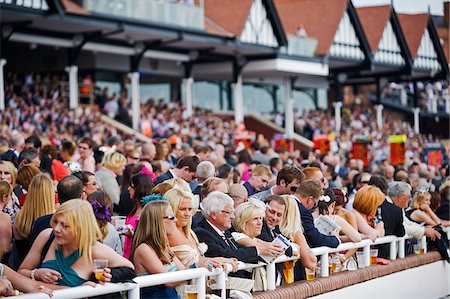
column 99, row 267
column 373, row 256
column 360, row 260
column 310, row 274
column 190, row 291
column 418, row 249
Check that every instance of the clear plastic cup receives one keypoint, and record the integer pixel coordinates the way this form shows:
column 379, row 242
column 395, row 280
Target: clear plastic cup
column 310, row 274
column 99, row 266
column 190, row 291
column 373, row 256
column 360, row 259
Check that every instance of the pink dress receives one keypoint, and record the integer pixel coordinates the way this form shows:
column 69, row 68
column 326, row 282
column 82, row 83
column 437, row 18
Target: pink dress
column 128, row 243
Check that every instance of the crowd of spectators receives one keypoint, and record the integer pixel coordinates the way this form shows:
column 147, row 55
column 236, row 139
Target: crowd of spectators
column 191, row 198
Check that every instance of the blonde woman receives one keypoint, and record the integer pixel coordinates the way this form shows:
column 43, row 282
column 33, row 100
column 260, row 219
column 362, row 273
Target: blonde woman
column 291, row 227
column 5, row 219
column 113, row 165
column 367, row 200
column 69, row 260
column 8, row 173
column 184, row 242
column 151, row 252
column 420, row 210
column 40, row 201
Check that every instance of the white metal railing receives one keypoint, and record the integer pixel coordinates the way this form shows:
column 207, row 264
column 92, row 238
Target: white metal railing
column 397, row 248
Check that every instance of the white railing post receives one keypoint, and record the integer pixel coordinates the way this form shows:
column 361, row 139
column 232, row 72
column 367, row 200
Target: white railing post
column 366, row 251
column 423, row 242
column 393, row 250
column 201, row 287
column 401, row 248
column 221, row 282
column 134, row 293
column 324, row 265
column 271, row 276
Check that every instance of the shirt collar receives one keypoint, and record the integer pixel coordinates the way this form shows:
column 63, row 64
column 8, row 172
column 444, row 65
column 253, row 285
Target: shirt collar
column 221, row 233
column 173, row 173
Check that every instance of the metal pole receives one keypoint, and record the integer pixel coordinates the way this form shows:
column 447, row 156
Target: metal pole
column 337, row 115
column 73, row 86
column 135, row 99
column 188, row 82
column 2, row 85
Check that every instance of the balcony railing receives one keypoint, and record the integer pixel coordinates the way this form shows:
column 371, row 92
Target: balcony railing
column 158, row 11
column 301, row 46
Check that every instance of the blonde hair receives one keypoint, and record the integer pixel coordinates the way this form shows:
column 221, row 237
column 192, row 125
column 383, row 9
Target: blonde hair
column 418, row 198
column 5, row 189
column 174, row 197
column 79, row 215
column 368, row 199
column 12, row 171
column 151, row 231
column 114, row 161
column 179, row 183
column 291, row 222
column 245, row 212
column 40, row 201
column 162, row 188
column 260, row 170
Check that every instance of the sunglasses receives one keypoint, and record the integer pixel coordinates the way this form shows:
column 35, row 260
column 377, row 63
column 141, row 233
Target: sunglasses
column 170, row 217
column 292, row 188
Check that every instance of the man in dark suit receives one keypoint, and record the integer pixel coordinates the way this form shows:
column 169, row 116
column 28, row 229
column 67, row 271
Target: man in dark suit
column 391, row 214
column 307, row 196
column 214, row 230
column 185, row 170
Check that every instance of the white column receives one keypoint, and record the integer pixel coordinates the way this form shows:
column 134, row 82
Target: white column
column 403, row 97
column 135, row 100
column 2, row 85
column 73, row 86
column 288, row 109
column 379, row 109
column 337, row 115
column 416, row 120
column 447, row 103
column 434, row 104
column 188, row 94
column 238, row 101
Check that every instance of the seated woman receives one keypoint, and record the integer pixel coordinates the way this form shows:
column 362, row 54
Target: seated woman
column 367, row 201
column 341, row 201
column 420, row 210
column 40, row 201
column 8, row 173
column 151, row 252
column 346, row 232
column 183, row 242
column 140, row 186
column 291, row 227
column 5, row 220
column 102, row 206
column 68, row 259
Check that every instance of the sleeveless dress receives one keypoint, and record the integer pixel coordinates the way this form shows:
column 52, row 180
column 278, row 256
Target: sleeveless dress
column 128, row 242
column 160, row 291
column 63, row 265
column 188, row 255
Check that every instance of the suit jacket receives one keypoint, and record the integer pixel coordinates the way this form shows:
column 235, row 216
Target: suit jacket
column 312, row 235
column 164, row 177
column 393, row 225
column 218, row 247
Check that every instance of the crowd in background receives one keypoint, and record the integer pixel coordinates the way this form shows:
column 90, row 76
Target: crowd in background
column 75, row 191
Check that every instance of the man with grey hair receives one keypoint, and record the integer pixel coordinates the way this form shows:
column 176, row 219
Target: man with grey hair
column 205, row 170
column 399, row 193
column 148, row 151
column 214, row 229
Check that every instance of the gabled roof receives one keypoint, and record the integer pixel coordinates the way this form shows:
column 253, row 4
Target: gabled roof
column 230, row 16
column 373, row 20
column 413, row 27
column 214, row 28
column 320, row 18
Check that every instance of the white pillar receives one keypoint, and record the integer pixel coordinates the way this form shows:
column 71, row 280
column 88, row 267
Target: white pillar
column 403, row 97
column 379, row 109
column 288, row 109
column 2, row 85
column 135, row 100
column 238, row 101
column 337, row 114
column 434, row 104
column 416, row 120
column 447, row 103
column 73, row 86
column 188, row 94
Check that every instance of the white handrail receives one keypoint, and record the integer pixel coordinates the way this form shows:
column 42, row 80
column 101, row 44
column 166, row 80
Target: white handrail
column 201, row 273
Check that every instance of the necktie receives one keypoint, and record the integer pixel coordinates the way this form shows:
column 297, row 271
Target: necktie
column 229, row 242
